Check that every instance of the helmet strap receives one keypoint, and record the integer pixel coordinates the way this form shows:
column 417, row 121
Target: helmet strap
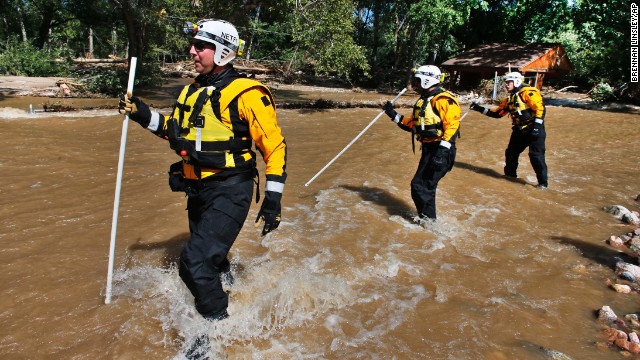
column 218, row 68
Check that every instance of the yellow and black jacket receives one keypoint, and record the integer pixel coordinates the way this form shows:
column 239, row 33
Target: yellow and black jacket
column 214, row 122
column 523, row 104
column 435, row 117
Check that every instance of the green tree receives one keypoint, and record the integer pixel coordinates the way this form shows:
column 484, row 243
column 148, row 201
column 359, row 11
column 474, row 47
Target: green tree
column 432, row 24
column 324, row 31
column 604, row 35
column 24, row 59
column 346, row 38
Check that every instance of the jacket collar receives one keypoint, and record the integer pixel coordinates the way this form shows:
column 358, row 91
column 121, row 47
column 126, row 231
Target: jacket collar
column 213, row 79
column 433, row 92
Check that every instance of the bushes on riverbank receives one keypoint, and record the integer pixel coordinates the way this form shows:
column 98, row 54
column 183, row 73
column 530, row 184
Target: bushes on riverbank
column 24, row 59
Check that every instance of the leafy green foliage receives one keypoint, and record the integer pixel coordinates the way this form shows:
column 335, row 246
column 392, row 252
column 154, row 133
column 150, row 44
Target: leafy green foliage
column 107, row 81
column 269, row 41
column 434, row 22
column 343, row 38
column 24, row 59
column 324, row 29
column 605, row 37
column 112, row 81
column 601, row 92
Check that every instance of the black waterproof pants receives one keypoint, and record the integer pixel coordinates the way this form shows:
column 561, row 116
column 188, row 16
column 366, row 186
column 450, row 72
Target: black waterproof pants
column 217, row 212
column 517, row 143
column 425, row 181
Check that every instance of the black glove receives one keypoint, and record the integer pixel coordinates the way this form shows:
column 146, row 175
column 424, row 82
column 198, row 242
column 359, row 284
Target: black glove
column 476, row 107
column 440, row 160
column 270, row 211
column 388, row 109
column 536, row 129
column 138, row 111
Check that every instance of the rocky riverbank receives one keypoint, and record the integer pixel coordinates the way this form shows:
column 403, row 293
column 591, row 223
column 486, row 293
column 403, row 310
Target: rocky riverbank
column 621, row 332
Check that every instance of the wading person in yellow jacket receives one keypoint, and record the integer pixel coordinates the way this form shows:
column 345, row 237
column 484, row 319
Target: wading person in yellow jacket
column 212, row 127
column 527, row 111
column 434, row 122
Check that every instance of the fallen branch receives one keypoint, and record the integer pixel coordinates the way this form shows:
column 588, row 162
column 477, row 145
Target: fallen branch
column 99, row 61
column 254, row 69
column 64, row 81
column 565, row 88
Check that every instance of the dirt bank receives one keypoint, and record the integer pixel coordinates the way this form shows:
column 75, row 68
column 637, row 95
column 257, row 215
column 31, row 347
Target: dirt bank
column 292, row 95
column 26, row 86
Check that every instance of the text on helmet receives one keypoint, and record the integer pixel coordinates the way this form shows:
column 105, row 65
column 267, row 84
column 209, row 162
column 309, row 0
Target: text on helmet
column 229, row 37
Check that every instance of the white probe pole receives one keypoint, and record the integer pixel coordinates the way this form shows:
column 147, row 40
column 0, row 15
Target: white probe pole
column 465, row 114
column 469, row 109
column 116, row 201
column 353, row 141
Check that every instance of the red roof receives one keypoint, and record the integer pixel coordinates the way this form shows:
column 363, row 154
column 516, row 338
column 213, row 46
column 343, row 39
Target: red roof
column 523, row 58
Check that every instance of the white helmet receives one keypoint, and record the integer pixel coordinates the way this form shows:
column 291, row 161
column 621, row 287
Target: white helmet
column 223, row 35
column 428, row 75
column 515, row 76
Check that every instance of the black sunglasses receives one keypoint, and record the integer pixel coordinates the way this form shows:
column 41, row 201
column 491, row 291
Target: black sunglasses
column 200, row 45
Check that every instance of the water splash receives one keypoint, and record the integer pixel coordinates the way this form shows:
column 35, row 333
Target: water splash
column 9, row 113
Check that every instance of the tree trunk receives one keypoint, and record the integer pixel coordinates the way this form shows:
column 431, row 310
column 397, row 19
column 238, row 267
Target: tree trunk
column 133, row 28
column 48, row 14
column 253, row 33
column 433, row 54
column 5, row 24
column 411, row 45
column 399, row 23
column 90, row 54
column 134, row 44
column 376, row 33
column 114, row 39
column 23, row 30
column 361, row 8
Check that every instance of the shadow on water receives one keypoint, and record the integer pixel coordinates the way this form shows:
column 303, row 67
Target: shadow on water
column 311, row 111
column 600, row 254
column 394, row 205
column 172, row 248
column 287, row 95
column 488, row 172
column 609, row 106
column 538, row 351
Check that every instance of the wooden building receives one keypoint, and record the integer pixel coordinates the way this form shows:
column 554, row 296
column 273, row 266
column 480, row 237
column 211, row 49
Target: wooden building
column 536, row 62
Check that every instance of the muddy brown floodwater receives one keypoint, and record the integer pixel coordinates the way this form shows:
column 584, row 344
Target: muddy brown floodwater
column 508, row 271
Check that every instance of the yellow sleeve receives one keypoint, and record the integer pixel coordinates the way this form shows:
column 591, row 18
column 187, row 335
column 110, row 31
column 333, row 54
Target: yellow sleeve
column 533, row 98
column 255, row 105
column 449, row 112
column 407, row 121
